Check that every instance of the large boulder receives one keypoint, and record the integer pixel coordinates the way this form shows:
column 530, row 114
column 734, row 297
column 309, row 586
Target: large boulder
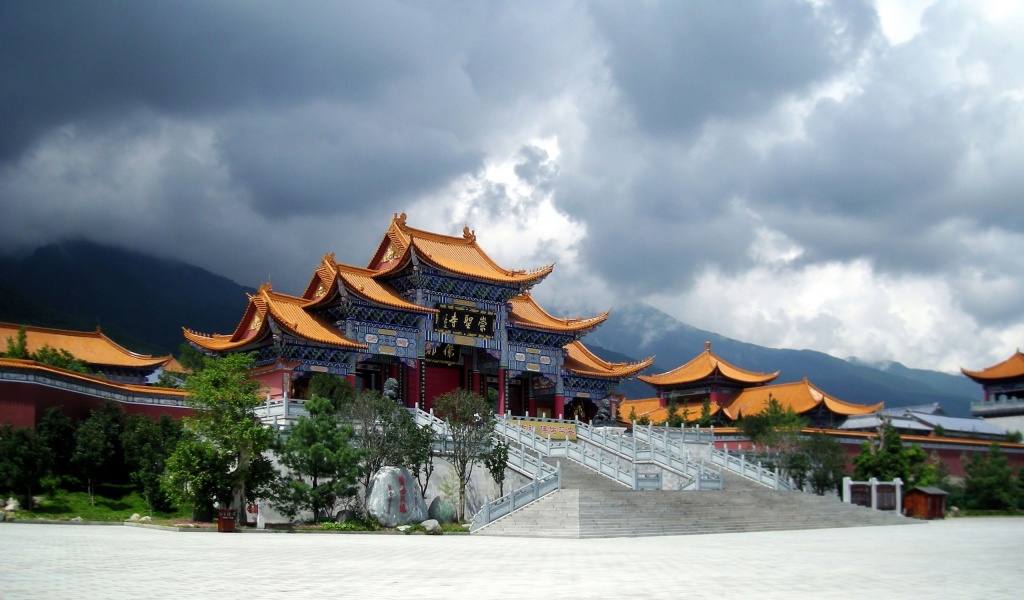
column 395, row 498
column 442, row 510
column 12, row 505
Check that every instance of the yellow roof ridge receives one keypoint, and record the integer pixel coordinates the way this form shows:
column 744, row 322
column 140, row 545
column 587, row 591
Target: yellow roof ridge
column 1011, row 367
column 90, row 353
column 580, row 359
column 546, row 320
column 703, row 365
column 460, row 255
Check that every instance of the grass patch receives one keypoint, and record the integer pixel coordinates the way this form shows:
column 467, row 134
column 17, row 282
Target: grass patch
column 120, row 505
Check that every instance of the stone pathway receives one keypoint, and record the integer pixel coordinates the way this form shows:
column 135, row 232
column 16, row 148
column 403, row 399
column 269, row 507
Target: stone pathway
column 963, row 558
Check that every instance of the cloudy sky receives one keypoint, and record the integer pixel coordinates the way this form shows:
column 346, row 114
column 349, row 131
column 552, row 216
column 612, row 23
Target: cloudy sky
column 841, row 176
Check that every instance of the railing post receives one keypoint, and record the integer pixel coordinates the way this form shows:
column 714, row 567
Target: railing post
column 874, row 493
column 847, row 496
column 558, row 470
column 776, row 479
column 487, row 511
column 743, row 463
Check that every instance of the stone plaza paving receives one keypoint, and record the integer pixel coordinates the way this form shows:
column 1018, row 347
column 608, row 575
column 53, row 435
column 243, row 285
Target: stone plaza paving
column 961, row 558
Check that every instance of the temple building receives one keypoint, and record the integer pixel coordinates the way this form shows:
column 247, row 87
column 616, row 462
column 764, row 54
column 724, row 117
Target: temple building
column 732, row 393
column 28, row 388
column 1003, row 384
column 433, row 313
column 103, row 356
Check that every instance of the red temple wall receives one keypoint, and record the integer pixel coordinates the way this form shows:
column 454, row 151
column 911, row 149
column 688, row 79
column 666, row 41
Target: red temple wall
column 23, row 404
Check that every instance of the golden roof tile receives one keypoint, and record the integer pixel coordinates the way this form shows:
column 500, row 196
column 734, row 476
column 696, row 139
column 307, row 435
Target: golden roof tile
column 525, row 312
column 361, row 282
column 92, row 347
column 801, row 396
column 1008, row 369
column 658, row 414
column 582, row 361
column 287, row 311
column 130, row 387
column 459, row 255
column 703, row 366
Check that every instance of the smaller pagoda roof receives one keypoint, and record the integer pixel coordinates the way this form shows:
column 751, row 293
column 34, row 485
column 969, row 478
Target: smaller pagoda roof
column 31, row 365
column 460, row 255
column 525, row 312
column 653, row 410
column 91, row 347
column 801, row 396
column 704, row 366
column 1010, row 368
column 287, row 311
column 580, row 360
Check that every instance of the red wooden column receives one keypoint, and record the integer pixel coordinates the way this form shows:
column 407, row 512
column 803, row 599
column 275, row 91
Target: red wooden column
column 559, row 406
column 501, row 391
column 532, row 407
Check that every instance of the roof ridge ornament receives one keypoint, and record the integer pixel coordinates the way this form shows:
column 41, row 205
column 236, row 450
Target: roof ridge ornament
column 468, row 234
column 399, row 218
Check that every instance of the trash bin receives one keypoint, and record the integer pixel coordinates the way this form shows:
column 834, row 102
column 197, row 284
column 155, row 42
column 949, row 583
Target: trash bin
column 226, row 521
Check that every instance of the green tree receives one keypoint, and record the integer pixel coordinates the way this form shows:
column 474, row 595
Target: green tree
column 98, row 454
column 17, row 347
column 773, row 426
column 989, row 482
column 196, row 475
column 147, row 446
column 57, row 433
column 674, row 418
column 336, row 389
column 224, row 400
column 496, row 461
column 191, row 359
column 60, row 358
column 885, row 459
column 826, row 462
column 24, row 460
column 705, row 413
column 418, row 453
column 382, row 428
column 323, row 465
column 470, row 424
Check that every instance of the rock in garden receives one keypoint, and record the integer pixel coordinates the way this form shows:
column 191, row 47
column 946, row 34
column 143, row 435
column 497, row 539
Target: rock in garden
column 395, row 498
column 146, row 519
column 77, row 519
column 12, row 505
column 442, row 510
column 432, row 526
column 134, row 518
column 344, row 516
column 3, row 516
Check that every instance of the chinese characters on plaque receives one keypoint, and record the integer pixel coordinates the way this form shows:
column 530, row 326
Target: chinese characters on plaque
column 465, row 321
column 448, row 354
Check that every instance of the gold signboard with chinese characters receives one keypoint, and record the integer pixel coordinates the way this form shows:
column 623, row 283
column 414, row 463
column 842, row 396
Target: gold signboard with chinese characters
column 459, row 320
column 557, row 431
column 446, row 354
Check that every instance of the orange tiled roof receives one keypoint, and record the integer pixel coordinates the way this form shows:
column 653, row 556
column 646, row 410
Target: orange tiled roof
column 32, row 365
column 1009, row 368
column 639, row 407
column 92, row 347
column 288, row 311
column 525, row 312
column 361, row 283
column 703, row 366
column 801, row 396
column 659, row 415
column 321, row 286
column 582, row 361
column 459, row 255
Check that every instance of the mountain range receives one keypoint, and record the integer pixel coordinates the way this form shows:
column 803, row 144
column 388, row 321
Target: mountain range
column 142, row 302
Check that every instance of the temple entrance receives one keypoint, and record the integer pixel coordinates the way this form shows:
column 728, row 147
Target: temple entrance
column 582, row 409
column 439, row 380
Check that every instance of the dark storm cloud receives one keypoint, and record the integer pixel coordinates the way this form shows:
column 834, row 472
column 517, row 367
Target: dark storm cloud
column 680, row 64
column 66, row 61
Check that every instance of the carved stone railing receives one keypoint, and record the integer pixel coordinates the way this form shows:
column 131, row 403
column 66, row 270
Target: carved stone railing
column 493, row 510
column 91, row 386
column 751, row 470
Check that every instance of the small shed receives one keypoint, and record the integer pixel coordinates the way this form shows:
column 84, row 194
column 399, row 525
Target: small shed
column 925, row 503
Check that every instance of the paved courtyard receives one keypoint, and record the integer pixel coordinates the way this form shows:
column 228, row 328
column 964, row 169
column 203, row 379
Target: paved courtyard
column 965, row 558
